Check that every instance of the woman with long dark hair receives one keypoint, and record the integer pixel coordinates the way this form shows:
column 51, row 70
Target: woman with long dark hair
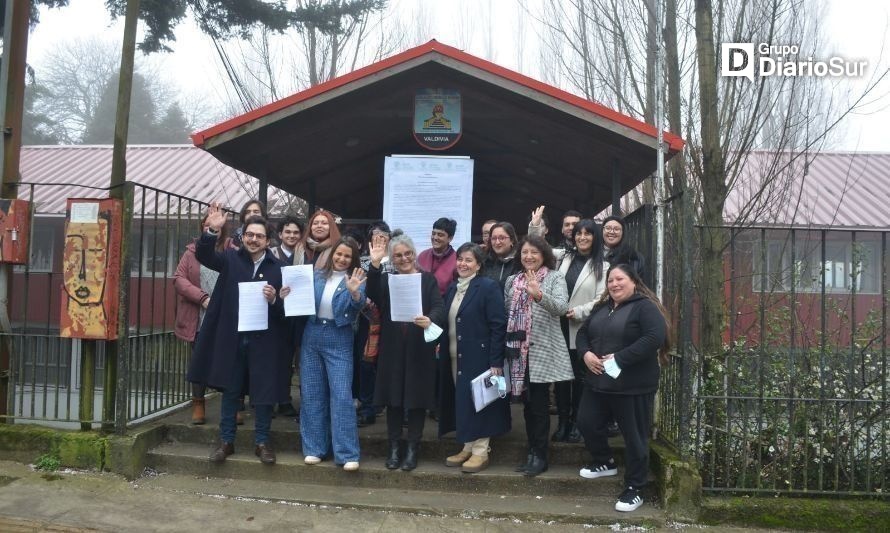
column 535, row 299
column 327, row 417
column 582, row 266
column 501, row 262
column 616, row 249
column 621, row 345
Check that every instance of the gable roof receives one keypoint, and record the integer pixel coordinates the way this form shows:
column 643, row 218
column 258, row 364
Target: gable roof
column 531, row 143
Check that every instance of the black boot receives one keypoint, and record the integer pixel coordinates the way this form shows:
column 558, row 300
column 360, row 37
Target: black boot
column 393, row 460
column 562, row 430
column 573, row 434
column 522, row 467
column 537, row 465
column 410, row 462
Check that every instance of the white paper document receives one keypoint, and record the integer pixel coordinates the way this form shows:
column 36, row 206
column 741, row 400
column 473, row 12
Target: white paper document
column 611, row 368
column 418, row 190
column 405, row 302
column 253, row 309
column 301, row 300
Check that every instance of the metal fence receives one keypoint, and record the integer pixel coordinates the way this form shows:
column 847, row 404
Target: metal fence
column 62, row 382
column 796, row 402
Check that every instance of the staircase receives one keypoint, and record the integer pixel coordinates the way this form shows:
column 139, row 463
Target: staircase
column 559, row 494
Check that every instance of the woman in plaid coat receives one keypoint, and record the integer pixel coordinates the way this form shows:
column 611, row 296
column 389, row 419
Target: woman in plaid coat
column 535, row 299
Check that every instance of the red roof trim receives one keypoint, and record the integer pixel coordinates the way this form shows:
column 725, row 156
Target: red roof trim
column 675, row 143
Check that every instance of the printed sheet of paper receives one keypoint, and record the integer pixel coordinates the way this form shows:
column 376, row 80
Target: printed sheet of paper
column 419, row 190
column 405, row 301
column 253, row 309
column 301, row 300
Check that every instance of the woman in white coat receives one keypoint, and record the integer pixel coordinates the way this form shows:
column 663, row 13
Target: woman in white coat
column 584, row 270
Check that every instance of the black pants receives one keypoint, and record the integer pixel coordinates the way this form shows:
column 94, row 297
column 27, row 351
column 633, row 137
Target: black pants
column 568, row 393
column 537, row 416
column 394, row 418
column 633, row 412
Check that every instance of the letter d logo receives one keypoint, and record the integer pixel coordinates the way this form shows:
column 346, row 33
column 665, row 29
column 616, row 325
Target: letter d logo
column 737, row 59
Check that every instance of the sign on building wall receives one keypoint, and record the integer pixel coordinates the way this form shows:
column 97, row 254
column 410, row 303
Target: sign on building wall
column 437, row 118
column 419, row 190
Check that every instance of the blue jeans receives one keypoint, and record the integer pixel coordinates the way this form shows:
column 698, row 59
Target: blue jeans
column 326, row 413
column 232, row 398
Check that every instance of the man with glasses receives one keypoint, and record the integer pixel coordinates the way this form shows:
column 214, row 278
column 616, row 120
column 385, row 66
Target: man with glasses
column 238, row 362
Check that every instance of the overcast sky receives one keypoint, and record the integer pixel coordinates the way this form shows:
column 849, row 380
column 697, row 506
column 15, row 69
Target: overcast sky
column 857, row 28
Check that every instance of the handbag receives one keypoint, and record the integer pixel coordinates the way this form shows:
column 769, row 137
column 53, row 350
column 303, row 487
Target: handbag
column 485, row 390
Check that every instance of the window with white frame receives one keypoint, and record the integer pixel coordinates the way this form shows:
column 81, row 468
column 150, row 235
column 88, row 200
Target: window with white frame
column 848, row 266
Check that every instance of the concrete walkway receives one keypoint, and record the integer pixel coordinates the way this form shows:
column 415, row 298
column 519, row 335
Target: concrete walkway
column 89, row 501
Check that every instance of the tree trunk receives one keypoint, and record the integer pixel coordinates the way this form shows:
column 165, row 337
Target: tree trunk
column 116, row 379
column 713, row 183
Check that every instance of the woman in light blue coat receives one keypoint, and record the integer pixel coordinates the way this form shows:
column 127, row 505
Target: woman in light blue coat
column 327, row 416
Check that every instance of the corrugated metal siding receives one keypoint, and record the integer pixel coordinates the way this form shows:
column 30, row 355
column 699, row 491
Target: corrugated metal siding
column 178, row 169
column 830, row 189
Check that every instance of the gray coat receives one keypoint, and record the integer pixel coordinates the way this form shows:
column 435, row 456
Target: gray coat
column 548, row 357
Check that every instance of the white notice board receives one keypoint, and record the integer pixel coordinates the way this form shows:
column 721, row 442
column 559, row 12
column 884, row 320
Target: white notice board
column 419, row 190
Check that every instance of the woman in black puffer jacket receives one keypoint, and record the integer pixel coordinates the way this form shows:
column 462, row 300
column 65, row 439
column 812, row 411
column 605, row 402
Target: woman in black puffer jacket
column 620, row 344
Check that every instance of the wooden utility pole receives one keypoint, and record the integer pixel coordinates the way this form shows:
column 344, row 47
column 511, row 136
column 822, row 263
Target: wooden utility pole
column 115, row 406
column 12, row 94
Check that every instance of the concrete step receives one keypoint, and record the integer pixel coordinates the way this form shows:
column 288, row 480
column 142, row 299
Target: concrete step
column 586, row 510
column 431, row 475
column 508, row 449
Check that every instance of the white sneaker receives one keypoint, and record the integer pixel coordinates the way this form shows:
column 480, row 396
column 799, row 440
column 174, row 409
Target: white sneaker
column 351, row 466
column 601, row 470
column 311, row 460
column 630, row 500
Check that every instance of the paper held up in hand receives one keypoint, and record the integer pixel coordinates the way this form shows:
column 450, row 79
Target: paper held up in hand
column 253, row 309
column 484, row 391
column 405, row 303
column 301, row 300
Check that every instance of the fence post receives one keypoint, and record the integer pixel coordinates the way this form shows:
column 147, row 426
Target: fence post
column 87, row 383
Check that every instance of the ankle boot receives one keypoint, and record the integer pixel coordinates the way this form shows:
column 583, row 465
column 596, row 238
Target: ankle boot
column 393, row 461
column 198, row 411
column 562, row 430
column 537, row 465
column 410, row 462
column 573, row 434
column 521, row 467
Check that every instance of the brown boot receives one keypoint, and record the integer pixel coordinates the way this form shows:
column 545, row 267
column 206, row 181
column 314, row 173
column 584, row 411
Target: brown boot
column 458, row 459
column 476, row 463
column 219, row 455
column 198, row 411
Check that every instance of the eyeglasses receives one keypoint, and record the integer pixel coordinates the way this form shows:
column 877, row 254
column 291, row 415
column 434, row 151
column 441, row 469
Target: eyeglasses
column 252, row 235
column 612, row 229
column 406, row 255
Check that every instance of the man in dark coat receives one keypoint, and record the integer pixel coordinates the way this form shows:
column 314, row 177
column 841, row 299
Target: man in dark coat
column 229, row 360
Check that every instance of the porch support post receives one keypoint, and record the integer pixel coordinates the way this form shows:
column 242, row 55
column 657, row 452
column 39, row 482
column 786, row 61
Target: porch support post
column 616, row 188
column 263, row 191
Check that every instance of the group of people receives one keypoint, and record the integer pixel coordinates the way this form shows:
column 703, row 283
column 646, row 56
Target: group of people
column 576, row 316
